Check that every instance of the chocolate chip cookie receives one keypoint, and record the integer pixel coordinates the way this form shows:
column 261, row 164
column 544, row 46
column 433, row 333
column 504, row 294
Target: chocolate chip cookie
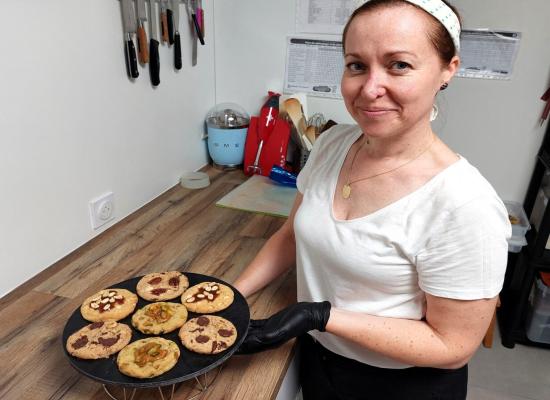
column 160, row 286
column 208, row 334
column 99, row 340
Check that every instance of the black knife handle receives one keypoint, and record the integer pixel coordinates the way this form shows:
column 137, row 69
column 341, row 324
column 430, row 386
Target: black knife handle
column 154, row 62
column 177, row 50
column 170, row 17
column 131, row 59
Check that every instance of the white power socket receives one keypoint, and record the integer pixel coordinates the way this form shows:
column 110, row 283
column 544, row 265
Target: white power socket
column 102, row 210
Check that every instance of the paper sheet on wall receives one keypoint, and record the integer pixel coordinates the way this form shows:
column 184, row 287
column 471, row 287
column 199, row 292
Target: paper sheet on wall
column 488, row 54
column 323, row 16
column 314, row 66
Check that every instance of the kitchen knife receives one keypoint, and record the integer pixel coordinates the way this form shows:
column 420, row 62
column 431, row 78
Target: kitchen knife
column 142, row 35
column 154, row 59
column 170, row 19
column 196, row 21
column 130, row 26
column 163, row 21
column 189, row 7
column 200, row 16
column 177, row 40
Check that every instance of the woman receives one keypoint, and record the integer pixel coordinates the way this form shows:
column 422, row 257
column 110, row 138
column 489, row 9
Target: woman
column 399, row 243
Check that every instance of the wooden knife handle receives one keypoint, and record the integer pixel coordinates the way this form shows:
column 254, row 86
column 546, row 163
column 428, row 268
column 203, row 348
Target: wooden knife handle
column 142, row 45
column 164, row 26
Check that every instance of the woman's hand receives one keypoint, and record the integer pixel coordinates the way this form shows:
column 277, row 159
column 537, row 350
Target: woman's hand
column 293, row 321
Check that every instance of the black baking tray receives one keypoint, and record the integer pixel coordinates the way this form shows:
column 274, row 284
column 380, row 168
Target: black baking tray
column 189, row 364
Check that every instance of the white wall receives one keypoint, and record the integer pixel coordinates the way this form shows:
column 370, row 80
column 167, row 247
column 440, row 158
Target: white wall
column 493, row 124
column 72, row 126
column 496, row 124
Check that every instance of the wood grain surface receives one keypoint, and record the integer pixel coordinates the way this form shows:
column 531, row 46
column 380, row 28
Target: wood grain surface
column 181, row 230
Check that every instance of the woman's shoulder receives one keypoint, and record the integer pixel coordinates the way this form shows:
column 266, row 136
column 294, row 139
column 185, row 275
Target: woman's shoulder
column 340, row 134
column 462, row 184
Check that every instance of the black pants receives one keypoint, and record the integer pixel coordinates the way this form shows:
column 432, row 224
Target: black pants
column 325, row 375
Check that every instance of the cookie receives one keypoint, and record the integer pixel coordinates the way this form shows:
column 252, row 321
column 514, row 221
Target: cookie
column 147, row 358
column 99, row 340
column 207, row 297
column 158, row 318
column 160, row 286
column 208, row 334
column 107, row 304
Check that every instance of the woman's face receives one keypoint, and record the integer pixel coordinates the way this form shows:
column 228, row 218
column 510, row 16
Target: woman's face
column 392, row 71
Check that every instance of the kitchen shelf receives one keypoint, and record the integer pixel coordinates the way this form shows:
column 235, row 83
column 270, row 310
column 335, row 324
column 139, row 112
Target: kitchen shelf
column 523, row 267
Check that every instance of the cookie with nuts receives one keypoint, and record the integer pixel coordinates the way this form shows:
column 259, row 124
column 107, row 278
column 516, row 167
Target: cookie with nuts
column 160, row 286
column 207, row 297
column 147, row 358
column 208, row 334
column 160, row 317
column 106, row 304
column 99, row 340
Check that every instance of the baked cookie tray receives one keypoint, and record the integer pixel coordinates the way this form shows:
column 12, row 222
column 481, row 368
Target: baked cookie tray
column 189, row 365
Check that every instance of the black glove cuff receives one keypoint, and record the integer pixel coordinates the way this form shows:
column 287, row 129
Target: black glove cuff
column 324, row 315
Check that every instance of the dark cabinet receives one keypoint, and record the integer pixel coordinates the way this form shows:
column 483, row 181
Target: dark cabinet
column 524, row 267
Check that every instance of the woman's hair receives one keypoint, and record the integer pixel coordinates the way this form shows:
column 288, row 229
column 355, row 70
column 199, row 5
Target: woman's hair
column 438, row 35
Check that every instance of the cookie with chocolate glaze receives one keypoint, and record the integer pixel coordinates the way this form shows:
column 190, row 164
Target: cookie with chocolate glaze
column 207, row 297
column 160, row 286
column 99, row 340
column 208, row 334
column 106, row 304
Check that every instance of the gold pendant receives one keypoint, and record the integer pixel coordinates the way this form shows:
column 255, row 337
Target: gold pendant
column 346, row 191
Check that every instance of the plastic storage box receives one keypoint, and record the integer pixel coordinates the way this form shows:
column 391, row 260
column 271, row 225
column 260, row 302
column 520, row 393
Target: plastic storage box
column 516, row 243
column 516, row 213
column 538, row 317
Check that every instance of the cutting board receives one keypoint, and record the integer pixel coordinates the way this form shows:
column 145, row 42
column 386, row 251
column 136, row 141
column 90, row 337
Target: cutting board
column 261, row 195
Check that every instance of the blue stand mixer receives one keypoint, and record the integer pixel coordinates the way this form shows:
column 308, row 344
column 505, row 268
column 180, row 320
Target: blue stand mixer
column 227, row 125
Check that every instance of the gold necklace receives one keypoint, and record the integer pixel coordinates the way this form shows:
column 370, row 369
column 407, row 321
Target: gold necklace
column 346, row 190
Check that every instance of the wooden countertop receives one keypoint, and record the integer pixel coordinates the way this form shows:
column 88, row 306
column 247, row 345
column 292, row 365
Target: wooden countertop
column 181, row 229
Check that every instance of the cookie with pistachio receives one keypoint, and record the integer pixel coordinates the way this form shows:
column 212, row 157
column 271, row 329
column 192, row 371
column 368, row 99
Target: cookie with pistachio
column 158, row 318
column 147, row 358
column 208, row 334
column 207, row 297
column 99, row 340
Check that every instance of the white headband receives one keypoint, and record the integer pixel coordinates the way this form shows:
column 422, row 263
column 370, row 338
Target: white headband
column 440, row 11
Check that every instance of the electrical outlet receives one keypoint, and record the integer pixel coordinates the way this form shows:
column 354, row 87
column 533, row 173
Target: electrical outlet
column 102, row 210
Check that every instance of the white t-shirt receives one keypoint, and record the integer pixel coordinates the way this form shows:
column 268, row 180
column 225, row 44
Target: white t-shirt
column 447, row 238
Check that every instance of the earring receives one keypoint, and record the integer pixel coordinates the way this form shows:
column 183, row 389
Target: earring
column 434, row 113
column 444, row 86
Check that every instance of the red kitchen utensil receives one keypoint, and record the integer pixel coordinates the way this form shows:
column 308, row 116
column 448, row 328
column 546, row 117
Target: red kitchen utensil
column 259, row 133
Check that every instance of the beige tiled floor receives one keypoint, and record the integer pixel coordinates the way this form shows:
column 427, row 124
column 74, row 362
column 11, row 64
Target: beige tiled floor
column 499, row 373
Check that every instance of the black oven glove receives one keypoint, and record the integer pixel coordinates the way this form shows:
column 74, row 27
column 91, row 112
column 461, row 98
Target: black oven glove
column 293, row 321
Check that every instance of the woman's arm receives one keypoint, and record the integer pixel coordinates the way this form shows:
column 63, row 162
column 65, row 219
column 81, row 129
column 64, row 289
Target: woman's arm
column 276, row 257
column 448, row 338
